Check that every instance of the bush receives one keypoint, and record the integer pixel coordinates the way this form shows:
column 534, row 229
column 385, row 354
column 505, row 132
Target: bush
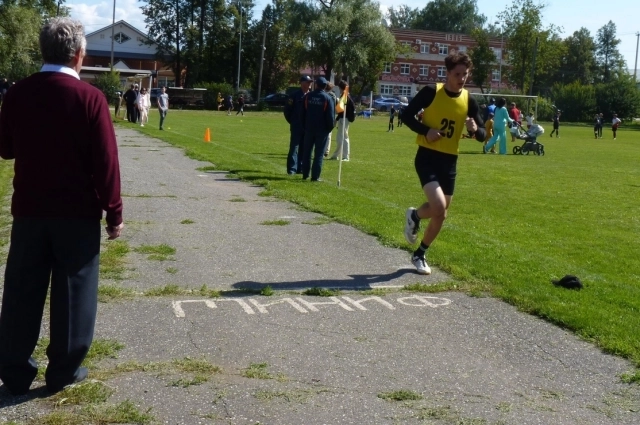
column 576, row 101
column 109, row 83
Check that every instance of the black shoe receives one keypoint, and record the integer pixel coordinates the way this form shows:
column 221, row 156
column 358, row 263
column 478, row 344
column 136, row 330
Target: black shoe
column 81, row 375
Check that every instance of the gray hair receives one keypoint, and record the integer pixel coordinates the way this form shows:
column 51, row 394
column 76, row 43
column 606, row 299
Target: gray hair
column 61, row 39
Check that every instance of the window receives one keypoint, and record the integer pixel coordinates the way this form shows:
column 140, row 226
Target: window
column 121, row 38
column 386, row 89
column 102, row 36
column 424, row 48
column 443, row 49
column 406, row 43
column 387, row 68
column 497, row 52
column 442, row 71
column 404, row 90
column 462, row 49
column 495, row 75
column 424, row 69
column 405, row 68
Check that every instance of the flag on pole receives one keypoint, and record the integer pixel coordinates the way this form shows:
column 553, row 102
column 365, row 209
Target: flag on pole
column 342, row 103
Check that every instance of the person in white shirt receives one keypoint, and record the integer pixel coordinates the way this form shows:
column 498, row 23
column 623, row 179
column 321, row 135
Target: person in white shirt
column 614, row 125
column 530, row 120
column 144, row 103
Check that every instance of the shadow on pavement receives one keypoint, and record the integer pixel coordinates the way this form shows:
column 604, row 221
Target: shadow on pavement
column 356, row 281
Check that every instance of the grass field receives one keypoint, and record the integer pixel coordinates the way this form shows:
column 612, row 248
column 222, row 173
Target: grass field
column 515, row 223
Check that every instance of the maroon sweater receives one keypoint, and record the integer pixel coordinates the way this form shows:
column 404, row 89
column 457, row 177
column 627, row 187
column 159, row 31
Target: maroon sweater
column 60, row 133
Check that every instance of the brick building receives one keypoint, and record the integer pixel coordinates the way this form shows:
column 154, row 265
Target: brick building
column 133, row 56
column 409, row 73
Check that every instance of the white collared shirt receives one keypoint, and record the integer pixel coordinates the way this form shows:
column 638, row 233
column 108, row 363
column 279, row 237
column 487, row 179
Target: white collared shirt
column 47, row 67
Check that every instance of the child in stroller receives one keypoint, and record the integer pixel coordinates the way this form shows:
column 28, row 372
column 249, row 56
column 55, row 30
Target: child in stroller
column 531, row 143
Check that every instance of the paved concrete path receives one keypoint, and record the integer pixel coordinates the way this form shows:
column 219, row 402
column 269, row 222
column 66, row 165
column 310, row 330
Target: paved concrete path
column 300, row 359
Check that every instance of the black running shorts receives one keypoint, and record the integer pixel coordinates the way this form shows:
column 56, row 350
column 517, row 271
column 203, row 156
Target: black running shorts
column 434, row 166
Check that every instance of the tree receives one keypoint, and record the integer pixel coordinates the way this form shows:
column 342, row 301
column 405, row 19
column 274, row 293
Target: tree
column 578, row 64
column 620, row 96
column 525, row 39
column 607, row 54
column 577, row 101
column 109, row 84
column 167, row 20
column 402, row 17
column 483, row 58
column 347, row 38
column 459, row 16
column 19, row 48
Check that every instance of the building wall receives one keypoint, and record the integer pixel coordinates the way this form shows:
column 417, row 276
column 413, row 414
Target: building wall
column 131, row 51
column 407, row 74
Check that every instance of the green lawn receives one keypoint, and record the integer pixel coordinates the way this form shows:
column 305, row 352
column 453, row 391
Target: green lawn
column 516, row 222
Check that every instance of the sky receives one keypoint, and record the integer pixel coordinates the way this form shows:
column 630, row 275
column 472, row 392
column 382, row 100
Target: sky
column 571, row 15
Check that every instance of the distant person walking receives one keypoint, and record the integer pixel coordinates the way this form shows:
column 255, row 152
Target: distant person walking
column 530, row 120
column 130, row 99
column 293, row 113
column 319, row 119
column 163, row 105
column 597, row 126
column 615, row 123
column 556, row 125
column 488, row 125
column 144, row 103
column 118, row 103
column 500, row 121
column 240, row 105
column 601, row 125
column 392, row 115
column 66, row 174
column 329, row 90
column 219, row 100
column 229, row 104
column 515, row 115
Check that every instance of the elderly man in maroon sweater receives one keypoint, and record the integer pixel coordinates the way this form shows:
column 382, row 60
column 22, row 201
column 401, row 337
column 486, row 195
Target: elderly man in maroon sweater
column 66, row 175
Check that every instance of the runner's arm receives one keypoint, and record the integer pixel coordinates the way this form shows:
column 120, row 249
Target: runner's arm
column 423, row 99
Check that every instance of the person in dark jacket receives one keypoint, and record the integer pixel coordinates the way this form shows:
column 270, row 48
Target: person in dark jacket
column 293, row 114
column 240, row 105
column 66, row 175
column 318, row 117
column 130, row 97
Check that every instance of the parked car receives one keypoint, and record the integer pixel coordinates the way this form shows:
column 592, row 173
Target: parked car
column 276, row 99
column 384, row 104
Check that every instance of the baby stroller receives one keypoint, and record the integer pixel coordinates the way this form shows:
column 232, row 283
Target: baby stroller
column 530, row 143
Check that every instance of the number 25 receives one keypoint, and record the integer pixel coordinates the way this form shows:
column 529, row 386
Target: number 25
column 448, row 127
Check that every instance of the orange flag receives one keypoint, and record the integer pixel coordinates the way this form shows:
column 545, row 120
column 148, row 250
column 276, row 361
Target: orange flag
column 342, row 103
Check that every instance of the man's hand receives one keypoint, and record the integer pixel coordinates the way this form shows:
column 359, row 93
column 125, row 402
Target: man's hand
column 433, row 135
column 471, row 125
column 114, row 231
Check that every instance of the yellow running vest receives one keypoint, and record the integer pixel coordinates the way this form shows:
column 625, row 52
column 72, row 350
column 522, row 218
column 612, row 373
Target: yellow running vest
column 447, row 115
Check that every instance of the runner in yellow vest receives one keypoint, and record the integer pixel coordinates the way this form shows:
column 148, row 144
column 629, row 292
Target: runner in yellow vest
column 448, row 111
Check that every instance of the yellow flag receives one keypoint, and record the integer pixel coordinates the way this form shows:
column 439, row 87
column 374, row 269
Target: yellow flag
column 342, row 103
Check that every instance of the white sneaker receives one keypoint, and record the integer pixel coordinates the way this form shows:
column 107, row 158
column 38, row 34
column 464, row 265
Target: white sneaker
column 410, row 227
column 421, row 265
column 345, row 159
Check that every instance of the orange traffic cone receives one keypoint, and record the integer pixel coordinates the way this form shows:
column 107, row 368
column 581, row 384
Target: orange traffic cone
column 207, row 136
